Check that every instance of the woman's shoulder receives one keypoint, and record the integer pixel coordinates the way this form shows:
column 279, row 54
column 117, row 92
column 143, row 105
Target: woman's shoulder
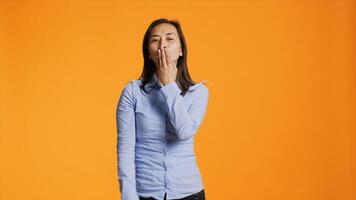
column 132, row 83
column 201, row 85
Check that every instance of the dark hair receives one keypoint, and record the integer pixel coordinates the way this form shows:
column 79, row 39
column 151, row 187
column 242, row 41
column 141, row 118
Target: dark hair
column 183, row 78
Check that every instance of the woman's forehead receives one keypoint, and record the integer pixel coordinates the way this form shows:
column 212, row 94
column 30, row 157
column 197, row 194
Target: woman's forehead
column 163, row 29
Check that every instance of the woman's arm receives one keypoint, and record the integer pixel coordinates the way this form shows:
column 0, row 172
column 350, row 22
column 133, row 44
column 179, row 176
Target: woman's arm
column 185, row 121
column 125, row 120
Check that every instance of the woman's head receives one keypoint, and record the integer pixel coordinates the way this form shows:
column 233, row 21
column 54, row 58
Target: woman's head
column 165, row 33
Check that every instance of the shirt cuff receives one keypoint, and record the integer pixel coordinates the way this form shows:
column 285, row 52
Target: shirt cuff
column 171, row 89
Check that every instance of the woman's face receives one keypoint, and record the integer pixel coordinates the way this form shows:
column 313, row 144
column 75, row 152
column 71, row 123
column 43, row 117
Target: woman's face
column 164, row 36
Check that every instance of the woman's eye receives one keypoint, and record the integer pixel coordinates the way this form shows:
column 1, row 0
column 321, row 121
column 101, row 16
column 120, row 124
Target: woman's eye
column 153, row 40
column 170, row 38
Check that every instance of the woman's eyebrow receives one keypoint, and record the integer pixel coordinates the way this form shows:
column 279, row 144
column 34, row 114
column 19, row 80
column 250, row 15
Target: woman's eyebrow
column 153, row 35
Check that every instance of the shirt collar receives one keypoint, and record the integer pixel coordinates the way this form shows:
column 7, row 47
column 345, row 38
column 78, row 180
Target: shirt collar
column 152, row 83
column 155, row 83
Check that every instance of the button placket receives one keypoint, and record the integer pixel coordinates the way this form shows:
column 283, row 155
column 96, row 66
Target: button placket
column 164, row 149
column 164, row 162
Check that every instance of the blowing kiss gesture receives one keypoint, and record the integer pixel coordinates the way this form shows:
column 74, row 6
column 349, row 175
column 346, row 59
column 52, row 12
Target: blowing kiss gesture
column 167, row 69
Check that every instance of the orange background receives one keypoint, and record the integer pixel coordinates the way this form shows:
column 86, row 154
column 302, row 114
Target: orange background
column 281, row 116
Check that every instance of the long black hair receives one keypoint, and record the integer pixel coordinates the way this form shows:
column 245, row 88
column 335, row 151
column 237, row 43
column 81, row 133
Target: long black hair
column 183, row 78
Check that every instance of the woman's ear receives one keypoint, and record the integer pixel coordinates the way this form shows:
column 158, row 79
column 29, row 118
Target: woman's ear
column 180, row 53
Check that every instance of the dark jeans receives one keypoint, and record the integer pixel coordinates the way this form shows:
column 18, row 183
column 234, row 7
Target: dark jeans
column 197, row 196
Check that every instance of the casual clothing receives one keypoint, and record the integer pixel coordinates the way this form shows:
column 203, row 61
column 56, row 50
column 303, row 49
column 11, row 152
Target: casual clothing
column 155, row 146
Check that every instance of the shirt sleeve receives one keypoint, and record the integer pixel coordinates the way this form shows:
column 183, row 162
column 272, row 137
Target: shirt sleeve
column 185, row 121
column 125, row 121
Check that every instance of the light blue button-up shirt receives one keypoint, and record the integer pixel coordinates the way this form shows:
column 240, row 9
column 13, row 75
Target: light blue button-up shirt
column 155, row 146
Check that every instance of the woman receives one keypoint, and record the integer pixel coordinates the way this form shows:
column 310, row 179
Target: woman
column 158, row 116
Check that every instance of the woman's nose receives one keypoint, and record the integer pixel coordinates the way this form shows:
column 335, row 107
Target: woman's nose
column 162, row 45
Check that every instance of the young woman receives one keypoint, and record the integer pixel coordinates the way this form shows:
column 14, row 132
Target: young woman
column 158, row 116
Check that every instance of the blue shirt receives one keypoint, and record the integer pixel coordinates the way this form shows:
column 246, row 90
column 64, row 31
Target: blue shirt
column 155, row 146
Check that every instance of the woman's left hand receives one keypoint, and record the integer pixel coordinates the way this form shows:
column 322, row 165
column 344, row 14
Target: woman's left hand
column 167, row 70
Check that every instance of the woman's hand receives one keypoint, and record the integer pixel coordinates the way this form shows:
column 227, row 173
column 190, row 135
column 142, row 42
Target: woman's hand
column 167, row 70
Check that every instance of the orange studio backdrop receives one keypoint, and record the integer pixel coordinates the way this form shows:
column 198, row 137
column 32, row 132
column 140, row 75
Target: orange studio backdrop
column 280, row 122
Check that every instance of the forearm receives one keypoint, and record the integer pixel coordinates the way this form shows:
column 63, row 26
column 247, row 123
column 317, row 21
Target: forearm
column 185, row 121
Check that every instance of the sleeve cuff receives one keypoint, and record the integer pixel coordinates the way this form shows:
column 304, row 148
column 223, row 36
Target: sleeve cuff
column 171, row 89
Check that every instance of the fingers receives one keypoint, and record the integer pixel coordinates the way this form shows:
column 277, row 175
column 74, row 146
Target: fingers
column 159, row 58
column 172, row 62
column 164, row 58
column 169, row 60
